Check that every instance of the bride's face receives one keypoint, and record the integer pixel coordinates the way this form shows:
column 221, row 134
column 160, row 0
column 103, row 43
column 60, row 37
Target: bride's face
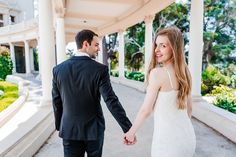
column 163, row 51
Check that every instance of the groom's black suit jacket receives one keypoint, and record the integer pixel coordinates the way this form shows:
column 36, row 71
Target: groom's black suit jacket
column 78, row 84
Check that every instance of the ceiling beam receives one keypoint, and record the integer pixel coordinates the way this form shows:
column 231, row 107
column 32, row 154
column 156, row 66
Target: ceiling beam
column 79, row 27
column 150, row 8
column 115, row 1
column 132, row 10
column 87, row 16
column 59, row 7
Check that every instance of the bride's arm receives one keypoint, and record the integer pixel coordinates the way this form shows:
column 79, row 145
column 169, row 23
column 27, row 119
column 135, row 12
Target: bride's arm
column 189, row 106
column 148, row 104
column 189, row 99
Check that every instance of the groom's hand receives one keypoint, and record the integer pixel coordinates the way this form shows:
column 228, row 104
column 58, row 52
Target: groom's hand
column 129, row 139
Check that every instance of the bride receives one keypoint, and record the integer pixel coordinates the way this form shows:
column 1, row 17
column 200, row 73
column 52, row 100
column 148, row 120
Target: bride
column 169, row 97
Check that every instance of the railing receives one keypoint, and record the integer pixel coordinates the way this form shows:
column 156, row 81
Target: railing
column 19, row 27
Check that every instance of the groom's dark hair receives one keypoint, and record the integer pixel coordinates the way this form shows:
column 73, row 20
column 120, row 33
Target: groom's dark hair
column 84, row 35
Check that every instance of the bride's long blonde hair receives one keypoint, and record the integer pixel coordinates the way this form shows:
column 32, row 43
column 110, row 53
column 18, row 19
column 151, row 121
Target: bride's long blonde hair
column 182, row 73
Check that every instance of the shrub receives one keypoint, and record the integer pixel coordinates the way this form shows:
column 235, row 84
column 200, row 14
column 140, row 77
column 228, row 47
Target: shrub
column 114, row 73
column 212, row 77
column 227, row 102
column 6, row 65
column 233, row 81
column 224, row 98
column 227, row 70
column 36, row 59
column 138, row 76
column 221, row 90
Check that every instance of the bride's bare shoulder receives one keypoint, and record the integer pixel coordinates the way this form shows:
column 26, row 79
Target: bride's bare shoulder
column 158, row 71
column 157, row 74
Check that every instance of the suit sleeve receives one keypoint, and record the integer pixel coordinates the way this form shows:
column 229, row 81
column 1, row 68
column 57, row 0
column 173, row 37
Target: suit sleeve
column 112, row 101
column 57, row 102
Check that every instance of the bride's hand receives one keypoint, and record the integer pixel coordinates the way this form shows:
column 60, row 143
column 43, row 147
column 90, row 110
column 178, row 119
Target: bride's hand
column 129, row 138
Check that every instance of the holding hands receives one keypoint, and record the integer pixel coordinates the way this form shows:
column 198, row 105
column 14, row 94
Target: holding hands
column 129, row 138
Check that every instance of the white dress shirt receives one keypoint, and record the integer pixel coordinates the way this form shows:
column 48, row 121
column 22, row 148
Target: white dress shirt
column 78, row 53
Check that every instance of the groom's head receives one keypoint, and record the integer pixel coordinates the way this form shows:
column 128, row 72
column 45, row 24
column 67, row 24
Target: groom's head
column 87, row 41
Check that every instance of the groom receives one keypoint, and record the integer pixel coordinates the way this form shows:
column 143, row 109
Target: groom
column 78, row 84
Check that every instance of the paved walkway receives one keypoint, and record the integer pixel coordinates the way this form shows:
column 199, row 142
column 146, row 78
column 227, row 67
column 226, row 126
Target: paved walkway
column 209, row 142
column 24, row 120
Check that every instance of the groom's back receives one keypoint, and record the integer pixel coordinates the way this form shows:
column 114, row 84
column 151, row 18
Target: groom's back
column 78, row 81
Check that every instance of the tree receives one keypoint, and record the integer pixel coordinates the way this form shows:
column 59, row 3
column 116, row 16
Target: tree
column 134, row 46
column 109, row 43
column 176, row 14
column 36, row 59
column 219, row 31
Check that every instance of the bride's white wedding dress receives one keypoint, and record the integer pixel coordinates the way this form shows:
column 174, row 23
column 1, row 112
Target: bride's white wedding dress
column 173, row 131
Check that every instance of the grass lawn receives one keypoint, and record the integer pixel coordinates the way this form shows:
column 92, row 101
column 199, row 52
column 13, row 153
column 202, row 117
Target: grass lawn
column 10, row 94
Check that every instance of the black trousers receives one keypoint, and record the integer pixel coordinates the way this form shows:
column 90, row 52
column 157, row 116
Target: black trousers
column 74, row 148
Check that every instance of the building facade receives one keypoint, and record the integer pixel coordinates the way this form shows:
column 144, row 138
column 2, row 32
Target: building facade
column 17, row 25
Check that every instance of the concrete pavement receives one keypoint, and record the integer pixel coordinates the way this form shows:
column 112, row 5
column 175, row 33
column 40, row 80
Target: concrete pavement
column 209, row 142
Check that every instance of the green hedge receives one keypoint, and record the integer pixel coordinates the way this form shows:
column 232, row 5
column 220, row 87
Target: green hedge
column 212, row 77
column 6, row 65
column 214, row 83
column 227, row 102
column 225, row 98
column 114, row 73
column 138, row 76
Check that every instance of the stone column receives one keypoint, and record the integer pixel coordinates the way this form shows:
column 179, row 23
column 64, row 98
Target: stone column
column 100, row 54
column 39, row 60
column 27, row 57
column 60, row 38
column 148, row 40
column 47, row 48
column 6, row 19
column 196, row 45
column 121, row 51
column 31, row 59
column 12, row 51
column 39, row 56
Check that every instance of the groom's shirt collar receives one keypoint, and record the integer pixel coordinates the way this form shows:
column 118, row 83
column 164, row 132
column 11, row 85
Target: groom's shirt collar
column 80, row 53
